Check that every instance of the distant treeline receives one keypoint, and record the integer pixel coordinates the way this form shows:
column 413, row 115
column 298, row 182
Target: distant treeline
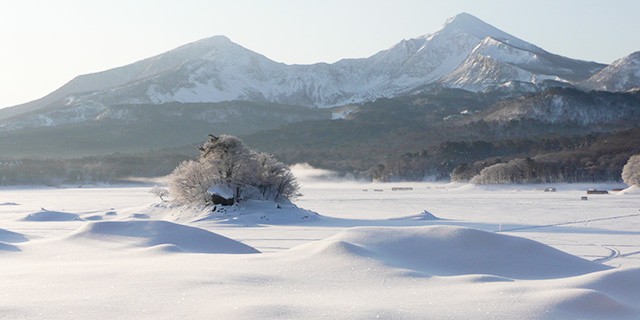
column 595, row 157
column 109, row 169
column 592, row 157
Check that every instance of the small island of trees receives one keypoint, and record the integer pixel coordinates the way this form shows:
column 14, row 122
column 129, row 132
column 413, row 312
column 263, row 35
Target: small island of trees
column 226, row 164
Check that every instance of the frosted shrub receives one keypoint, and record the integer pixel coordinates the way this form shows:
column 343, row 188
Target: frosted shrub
column 497, row 173
column 631, row 171
column 514, row 171
column 160, row 192
column 226, row 162
column 189, row 182
column 274, row 178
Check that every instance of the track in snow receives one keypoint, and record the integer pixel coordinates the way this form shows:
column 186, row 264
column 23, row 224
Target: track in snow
column 568, row 223
column 615, row 253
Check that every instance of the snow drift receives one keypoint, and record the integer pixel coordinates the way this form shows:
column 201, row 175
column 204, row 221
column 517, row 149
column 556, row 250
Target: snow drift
column 8, row 247
column 247, row 213
column 452, row 251
column 46, row 215
column 163, row 234
column 620, row 284
column 11, row 237
column 633, row 190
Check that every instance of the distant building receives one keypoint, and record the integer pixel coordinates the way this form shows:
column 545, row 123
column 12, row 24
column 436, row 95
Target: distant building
column 596, row 191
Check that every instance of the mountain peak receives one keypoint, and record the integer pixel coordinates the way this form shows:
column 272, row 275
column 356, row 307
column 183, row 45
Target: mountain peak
column 465, row 21
column 469, row 24
column 210, row 42
column 219, row 39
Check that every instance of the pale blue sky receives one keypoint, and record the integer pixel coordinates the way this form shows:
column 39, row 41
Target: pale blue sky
column 44, row 43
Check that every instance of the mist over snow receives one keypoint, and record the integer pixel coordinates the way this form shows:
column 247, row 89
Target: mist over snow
column 307, row 174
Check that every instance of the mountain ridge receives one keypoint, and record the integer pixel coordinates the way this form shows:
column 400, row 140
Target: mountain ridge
column 215, row 69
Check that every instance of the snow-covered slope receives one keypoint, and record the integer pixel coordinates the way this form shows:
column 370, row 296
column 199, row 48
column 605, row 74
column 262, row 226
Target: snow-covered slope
column 452, row 251
column 482, row 71
column 494, row 62
column 563, row 258
column 466, row 52
column 621, row 75
column 162, row 235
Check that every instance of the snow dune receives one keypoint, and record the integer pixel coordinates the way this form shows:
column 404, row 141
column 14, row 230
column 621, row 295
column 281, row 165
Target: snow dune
column 624, row 281
column 11, row 237
column 367, row 256
column 167, row 236
column 422, row 216
column 251, row 213
column 7, row 238
column 8, row 247
column 609, row 294
column 451, row 251
column 46, row 215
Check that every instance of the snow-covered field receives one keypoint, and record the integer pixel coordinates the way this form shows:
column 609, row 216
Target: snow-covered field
column 438, row 251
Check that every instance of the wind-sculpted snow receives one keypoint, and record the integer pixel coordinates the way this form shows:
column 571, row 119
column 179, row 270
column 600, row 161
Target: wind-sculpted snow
column 11, row 237
column 247, row 213
column 7, row 247
column 450, row 251
column 168, row 236
column 620, row 284
column 322, row 268
column 46, row 215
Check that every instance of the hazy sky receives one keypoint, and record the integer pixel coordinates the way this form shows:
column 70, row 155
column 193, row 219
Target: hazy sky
column 44, row 44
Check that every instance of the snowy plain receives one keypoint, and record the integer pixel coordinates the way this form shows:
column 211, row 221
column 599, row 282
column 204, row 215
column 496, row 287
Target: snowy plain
column 353, row 250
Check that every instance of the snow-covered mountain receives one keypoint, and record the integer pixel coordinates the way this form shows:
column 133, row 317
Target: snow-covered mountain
column 496, row 62
column 466, row 53
column 621, row 75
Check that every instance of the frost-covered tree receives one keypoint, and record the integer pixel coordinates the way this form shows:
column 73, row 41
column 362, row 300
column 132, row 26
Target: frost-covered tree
column 160, row 192
column 189, row 182
column 226, row 162
column 497, row 173
column 514, row 171
column 631, row 171
column 231, row 161
column 274, row 179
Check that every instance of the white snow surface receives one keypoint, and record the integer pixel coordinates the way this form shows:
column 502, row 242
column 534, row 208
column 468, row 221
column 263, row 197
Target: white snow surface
column 46, row 215
column 159, row 234
column 424, row 251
